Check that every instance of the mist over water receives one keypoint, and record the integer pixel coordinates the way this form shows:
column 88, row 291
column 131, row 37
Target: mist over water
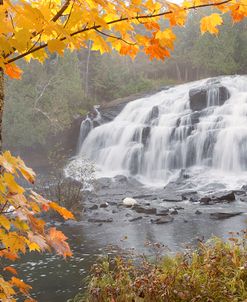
column 153, row 138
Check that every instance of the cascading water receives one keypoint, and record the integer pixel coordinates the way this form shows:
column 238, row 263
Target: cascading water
column 199, row 126
column 88, row 124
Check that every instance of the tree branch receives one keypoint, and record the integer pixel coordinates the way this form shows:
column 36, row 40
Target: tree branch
column 114, row 37
column 61, row 11
column 96, row 27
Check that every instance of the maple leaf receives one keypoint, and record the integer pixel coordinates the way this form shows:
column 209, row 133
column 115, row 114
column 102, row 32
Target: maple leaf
column 4, row 221
column 14, row 242
column 62, row 211
column 13, row 71
column 57, row 240
column 12, row 185
column 37, row 242
column 210, row 23
column 23, row 287
column 10, row 269
column 56, row 46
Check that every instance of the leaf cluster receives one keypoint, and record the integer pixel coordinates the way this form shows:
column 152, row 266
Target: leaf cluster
column 35, row 29
column 21, row 228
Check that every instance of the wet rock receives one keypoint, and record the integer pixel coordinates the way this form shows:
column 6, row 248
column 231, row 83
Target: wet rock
column 162, row 212
column 120, row 179
column 178, row 208
column 206, row 200
column 197, row 212
column 173, row 211
column 172, row 199
column 244, row 188
column 104, row 205
column 134, row 162
column 104, row 182
column 153, row 115
column 162, row 220
column 129, row 202
column 135, row 219
column 220, row 215
column 98, row 220
column 94, row 207
column 199, row 96
column 143, row 196
column 191, row 196
column 239, row 192
column 224, row 196
column 195, row 117
column 145, row 135
column 145, row 210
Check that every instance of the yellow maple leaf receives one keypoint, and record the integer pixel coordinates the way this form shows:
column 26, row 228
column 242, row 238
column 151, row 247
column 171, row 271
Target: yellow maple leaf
column 5, row 222
column 13, row 187
column 210, row 23
column 56, row 46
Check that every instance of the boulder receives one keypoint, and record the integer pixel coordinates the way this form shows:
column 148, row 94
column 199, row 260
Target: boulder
column 153, row 115
column 224, row 196
column 173, row 211
column 134, row 163
column 145, row 135
column 145, row 210
column 94, row 207
column 104, row 205
column 206, row 200
column 135, row 219
column 129, row 202
column 198, row 97
column 191, row 196
column 162, row 220
column 120, row 179
column 220, row 215
column 162, row 212
column 98, row 220
column 197, row 212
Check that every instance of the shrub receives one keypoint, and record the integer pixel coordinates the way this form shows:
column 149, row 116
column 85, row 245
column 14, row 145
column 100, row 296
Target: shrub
column 214, row 272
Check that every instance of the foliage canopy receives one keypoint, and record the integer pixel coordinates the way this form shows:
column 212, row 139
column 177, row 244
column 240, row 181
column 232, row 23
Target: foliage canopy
column 32, row 29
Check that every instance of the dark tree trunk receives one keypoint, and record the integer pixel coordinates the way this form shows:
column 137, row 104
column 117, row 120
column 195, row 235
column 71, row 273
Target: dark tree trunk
column 1, row 105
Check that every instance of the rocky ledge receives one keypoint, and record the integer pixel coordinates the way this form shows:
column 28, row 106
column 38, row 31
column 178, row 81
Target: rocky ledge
column 125, row 199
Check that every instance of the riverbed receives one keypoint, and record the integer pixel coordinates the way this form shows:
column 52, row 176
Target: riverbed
column 110, row 223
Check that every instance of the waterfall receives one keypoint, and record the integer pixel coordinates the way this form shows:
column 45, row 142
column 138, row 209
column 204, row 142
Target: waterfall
column 198, row 124
column 92, row 119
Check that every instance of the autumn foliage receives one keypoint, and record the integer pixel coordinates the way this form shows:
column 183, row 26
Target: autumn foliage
column 21, row 229
column 214, row 272
column 34, row 29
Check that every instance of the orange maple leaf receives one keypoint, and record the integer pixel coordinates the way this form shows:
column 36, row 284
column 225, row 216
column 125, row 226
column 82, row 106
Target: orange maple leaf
column 11, row 270
column 57, row 240
column 13, row 71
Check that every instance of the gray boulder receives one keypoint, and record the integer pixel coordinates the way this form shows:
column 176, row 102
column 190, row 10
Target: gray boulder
column 198, row 97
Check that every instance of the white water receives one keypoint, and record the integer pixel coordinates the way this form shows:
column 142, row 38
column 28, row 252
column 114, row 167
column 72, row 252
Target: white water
column 211, row 150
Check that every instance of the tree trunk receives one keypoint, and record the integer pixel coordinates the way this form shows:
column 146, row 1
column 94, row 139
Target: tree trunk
column 179, row 78
column 1, row 105
column 87, row 68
